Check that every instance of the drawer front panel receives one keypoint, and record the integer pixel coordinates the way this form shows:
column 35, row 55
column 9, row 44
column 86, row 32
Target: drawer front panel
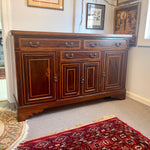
column 39, row 44
column 93, row 44
column 76, row 55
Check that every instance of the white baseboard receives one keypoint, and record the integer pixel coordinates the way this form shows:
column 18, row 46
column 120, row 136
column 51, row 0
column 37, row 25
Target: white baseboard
column 138, row 98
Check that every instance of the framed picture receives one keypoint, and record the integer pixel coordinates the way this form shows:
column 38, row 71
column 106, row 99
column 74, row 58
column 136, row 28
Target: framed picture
column 127, row 21
column 95, row 16
column 53, row 4
column 120, row 2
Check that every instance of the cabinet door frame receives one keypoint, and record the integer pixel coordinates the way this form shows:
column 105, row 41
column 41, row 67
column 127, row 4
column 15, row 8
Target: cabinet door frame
column 86, row 67
column 26, row 73
column 75, row 67
column 120, row 84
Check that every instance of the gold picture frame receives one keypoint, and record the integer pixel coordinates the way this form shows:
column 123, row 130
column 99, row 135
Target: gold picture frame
column 127, row 21
column 53, row 4
column 120, row 2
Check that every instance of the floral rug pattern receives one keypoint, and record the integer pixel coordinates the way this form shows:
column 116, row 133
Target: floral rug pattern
column 11, row 131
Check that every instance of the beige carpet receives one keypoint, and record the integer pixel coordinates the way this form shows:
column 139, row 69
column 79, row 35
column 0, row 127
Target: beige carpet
column 133, row 113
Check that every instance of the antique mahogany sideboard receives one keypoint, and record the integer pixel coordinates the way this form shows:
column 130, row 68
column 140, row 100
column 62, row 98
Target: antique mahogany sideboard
column 55, row 69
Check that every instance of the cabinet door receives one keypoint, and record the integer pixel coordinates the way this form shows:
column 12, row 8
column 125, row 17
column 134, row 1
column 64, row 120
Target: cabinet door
column 70, row 80
column 90, row 78
column 38, row 77
column 114, row 70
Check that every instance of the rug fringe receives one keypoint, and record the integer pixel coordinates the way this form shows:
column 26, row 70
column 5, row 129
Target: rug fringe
column 21, row 138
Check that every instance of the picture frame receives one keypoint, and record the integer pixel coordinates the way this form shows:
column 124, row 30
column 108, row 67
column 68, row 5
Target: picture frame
column 52, row 4
column 127, row 21
column 95, row 16
column 120, row 2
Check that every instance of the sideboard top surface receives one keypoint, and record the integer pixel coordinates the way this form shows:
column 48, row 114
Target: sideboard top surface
column 61, row 34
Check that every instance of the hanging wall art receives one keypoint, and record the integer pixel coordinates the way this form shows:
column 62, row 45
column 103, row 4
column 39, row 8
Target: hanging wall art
column 95, row 16
column 120, row 2
column 127, row 21
column 53, row 4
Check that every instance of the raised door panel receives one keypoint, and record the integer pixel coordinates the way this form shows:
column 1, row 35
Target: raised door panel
column 38, row 77
column 114, row 70
column 70, row 80
column 90, row 78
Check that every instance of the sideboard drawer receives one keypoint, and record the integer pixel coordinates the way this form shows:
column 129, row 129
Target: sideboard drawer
column 40, row 44
column 76, row 55
column 90, row 44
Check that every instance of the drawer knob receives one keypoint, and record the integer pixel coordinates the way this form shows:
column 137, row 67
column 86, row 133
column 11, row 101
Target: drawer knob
column 69, row 56
column 69, row 44
column 55, row 78
column 117, row 44
column 104, row 73
column 93, row 56
column 34, row 45
column 93, row 44
column 82, row 80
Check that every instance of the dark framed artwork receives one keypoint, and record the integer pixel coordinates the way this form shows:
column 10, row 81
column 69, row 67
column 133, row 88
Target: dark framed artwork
column 95, row 16
column 127, row 21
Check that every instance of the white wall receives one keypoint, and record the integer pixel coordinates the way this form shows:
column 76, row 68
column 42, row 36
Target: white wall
column 108, row 21
column 138, row 73
column 28, row 18
column 43, row 19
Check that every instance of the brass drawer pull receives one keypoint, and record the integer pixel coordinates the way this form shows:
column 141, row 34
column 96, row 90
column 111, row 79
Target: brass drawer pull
column 117, row 44
column 69, row 56
column 93, row 44
column 34, row 45
column 69, row 45
column 93, row 56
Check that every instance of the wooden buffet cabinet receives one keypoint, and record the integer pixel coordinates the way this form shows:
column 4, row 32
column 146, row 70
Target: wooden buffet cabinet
column 55, row 69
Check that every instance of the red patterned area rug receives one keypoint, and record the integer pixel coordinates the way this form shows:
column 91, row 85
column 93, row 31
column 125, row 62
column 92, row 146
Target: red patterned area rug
column 109, row 134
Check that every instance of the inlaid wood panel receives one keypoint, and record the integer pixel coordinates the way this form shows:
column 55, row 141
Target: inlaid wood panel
column 90, row 77
column 82, row 55
column 93, row 44
column 38, row 76
column 114, row 68
column 70, row 80
column 38, row 44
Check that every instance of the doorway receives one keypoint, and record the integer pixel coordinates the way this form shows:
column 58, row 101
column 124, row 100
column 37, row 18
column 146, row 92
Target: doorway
column 3, row 86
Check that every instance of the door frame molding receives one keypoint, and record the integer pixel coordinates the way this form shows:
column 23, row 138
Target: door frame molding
column 5, row 8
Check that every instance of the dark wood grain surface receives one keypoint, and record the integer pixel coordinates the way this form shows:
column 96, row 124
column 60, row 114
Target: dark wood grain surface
column 55, row 69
